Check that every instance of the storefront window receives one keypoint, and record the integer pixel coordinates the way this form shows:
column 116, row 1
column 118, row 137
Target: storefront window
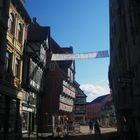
column 12, row 116
column 25, row 121
column 8, row 115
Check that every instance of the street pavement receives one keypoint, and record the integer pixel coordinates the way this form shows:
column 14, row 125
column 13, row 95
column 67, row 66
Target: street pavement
column 84, row 134
column 84, row 129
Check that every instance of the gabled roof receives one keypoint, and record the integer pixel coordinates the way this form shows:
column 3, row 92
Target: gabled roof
column 68, row 50
column 99, row 99
column 81, row 94
column 55, row 48
column 109, row 103
column 76, row 83
column 37, row 33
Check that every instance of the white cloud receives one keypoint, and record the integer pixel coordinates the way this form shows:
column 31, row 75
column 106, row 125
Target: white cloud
column 95, row 90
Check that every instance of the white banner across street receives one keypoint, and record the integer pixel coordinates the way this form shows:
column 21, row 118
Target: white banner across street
column 64, row 57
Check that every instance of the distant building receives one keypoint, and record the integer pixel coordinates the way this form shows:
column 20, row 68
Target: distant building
column 94, row 108
column 79, row 105
column 108, row 115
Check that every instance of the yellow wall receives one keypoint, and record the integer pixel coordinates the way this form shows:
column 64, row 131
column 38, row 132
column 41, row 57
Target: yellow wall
column 16, row 48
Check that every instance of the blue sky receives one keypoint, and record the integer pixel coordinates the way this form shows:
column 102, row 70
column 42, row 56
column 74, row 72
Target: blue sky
column 83, row 24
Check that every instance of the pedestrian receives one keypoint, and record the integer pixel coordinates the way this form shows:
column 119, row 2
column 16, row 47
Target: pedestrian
column 90, row 126
column 59, row 130
column 97, row 128
column 126, row 129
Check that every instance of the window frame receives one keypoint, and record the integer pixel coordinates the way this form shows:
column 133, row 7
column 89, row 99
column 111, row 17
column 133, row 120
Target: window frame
column 20, row 33
column 17, row 68
column 11, row 23
column 8, row 61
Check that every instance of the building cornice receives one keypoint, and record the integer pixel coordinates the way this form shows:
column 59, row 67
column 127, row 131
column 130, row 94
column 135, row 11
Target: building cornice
column 21, row 9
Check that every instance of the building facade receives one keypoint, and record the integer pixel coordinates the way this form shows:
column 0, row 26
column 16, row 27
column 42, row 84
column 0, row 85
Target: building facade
column 79, row 105
column 10, row 88
column 94, row 108
column 108, row 115
column 124, row 63
column 58, row 100
column 93, row 111
column 34, row 74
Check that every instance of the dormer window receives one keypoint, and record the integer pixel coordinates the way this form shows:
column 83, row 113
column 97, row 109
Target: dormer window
column 47, row 43
column 43, row 55
column 20, row 33
column 11, row 24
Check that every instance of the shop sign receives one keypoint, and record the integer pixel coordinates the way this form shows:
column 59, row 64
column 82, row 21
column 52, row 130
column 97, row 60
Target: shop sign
column 27, row 109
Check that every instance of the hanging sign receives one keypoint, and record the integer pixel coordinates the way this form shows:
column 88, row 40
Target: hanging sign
column 64, row 57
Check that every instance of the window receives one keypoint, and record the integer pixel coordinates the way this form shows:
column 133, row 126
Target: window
column 31, row 70
column 13, row 115
column 17, row 68
column 8, row 61
column 20, row 32
column 25, row 121
column 52, row 66
column 42, row 55
column 69, row 72
column 39, row 77
column 11, row 24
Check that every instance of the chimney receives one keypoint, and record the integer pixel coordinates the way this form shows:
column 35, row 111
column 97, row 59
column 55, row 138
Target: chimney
column 34, row 20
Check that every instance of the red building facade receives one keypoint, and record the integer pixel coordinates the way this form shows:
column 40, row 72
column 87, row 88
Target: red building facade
column 93, row 109
column 58, row 99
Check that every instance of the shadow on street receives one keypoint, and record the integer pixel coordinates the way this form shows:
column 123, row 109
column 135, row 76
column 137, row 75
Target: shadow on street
column 106, row 136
